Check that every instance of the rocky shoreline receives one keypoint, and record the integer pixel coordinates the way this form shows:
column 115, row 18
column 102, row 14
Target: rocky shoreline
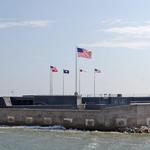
column 142, row 129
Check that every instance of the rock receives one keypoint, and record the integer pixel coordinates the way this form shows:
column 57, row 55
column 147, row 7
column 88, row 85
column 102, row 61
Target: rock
column 144, row 129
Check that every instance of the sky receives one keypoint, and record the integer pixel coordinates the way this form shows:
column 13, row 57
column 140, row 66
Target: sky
column 35, row 34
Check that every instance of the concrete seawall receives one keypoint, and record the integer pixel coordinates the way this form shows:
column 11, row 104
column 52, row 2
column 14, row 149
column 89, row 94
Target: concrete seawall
column 105, row 119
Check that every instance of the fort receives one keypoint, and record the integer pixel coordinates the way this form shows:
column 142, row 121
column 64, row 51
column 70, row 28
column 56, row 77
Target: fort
column 76, row 112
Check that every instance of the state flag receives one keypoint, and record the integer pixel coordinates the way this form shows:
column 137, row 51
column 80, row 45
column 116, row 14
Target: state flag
column 66, row 71
column 84, row 53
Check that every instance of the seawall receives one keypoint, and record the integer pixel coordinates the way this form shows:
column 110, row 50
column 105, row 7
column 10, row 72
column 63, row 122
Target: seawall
column 110, row 118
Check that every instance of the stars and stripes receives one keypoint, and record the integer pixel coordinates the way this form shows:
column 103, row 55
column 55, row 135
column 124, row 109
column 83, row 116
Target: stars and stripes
column 84, row 53
column 81, row 52
column 53, row 69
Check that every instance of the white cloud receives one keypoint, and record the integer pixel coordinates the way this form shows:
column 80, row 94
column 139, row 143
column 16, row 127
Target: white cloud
column 125, row 36
column 117, row 21
column 140, row 30
column 31, row 23
column 119, row 44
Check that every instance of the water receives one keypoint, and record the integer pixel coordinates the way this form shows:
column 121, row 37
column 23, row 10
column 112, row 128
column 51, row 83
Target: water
column 37, row 138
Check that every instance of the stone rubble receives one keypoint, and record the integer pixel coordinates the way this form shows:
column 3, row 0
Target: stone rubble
column 142, row 129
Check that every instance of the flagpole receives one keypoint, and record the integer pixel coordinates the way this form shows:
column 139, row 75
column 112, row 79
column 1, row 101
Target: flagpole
column 94, row 83
column 76, row 93
column 79, row 82
column 63, row 82
column 51, row 82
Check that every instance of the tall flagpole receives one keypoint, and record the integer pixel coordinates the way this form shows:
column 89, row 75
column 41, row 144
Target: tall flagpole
column 79, row 82
column 76, row 93
column 63, row 82
column 94, row 82
column 51, row 82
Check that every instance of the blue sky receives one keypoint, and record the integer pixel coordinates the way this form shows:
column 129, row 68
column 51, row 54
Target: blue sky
column 35, row 34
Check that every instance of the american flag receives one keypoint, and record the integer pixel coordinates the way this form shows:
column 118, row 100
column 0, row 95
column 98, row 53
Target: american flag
column 53, row 69
column 97, row 70
column 84, row 53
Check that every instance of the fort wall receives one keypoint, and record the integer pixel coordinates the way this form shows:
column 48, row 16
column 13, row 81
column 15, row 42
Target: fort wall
column 110, row 118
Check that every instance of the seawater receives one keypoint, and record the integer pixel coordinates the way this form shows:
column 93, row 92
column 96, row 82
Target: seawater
column 57, row 138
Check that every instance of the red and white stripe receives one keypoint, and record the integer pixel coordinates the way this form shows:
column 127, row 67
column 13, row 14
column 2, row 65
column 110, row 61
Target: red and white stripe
column 85, row 54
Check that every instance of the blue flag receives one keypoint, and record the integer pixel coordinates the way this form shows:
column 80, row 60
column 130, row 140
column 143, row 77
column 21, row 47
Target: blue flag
column 66, row 71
